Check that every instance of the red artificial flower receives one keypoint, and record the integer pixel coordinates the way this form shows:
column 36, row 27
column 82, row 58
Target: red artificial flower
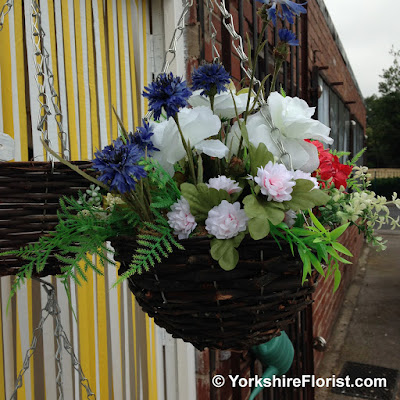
column 330, row 167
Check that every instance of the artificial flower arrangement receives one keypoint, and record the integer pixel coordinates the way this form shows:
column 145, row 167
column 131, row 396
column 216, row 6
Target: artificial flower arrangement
column 216, row 162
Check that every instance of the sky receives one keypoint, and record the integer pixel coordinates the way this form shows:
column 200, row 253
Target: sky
column 367, row 29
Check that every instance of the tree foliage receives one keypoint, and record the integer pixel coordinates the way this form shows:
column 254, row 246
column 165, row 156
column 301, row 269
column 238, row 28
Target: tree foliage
column 383, row 119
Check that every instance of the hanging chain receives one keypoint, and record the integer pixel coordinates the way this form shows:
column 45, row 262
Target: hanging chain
column 237, row 43
column 43, row 69
column 53, row 309
column 4, row 11
column 213, row 31
column 170, row 54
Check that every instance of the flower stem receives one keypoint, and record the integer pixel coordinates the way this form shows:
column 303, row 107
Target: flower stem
column 277, row 67
column 187, row 149
column 74, row 167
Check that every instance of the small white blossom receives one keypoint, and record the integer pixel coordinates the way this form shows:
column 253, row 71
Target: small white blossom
column 224, row 183
column 181, row 220
column 226, row 220
column 275, row 181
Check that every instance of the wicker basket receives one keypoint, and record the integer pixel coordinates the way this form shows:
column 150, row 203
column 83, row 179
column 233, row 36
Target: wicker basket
column 194, row 299
column 29, row 200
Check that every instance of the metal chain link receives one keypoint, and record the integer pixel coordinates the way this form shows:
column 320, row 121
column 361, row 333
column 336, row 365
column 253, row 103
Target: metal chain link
column 53, row 309
column 170, row 53
column 237, row 43
column 4, row 11
column 42, row 66
column 213, row 31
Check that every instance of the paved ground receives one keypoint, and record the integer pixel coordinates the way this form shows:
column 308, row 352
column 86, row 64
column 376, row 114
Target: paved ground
column 368, row 329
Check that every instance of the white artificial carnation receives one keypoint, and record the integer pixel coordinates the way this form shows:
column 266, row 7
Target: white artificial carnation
column 224, row 105
column 197, row 124
column 275, row 181
column 226, row 220
column 298, row 174
column 180, row 219
column 288, row 120
column 224, row 183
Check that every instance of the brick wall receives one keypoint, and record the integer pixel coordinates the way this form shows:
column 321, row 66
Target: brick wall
column 327, row 304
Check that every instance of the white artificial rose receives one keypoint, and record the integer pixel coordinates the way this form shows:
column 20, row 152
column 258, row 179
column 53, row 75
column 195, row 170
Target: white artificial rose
column 292, row 118
column 224, row 105
column 196, row 124
column 180, row 219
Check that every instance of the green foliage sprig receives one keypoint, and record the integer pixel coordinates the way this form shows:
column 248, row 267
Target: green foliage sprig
column 316, row 246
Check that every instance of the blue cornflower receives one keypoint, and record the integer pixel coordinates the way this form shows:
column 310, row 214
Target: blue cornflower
column 212, row 78
column 117, row 164
column 289, row 10
column 288, row 37
column 167, row 92
column 142, row 137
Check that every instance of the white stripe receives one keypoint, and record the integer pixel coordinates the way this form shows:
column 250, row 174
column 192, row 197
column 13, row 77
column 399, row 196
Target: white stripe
column 23, row 319
column 71, row 30
column 117, row 77
column 61, row 66
column 14, row 80
column 126, row 60
column 48, row 349
column 33, row 89
column 160, row 338
column 125, row 301
column 86, row 78
column 171, row 367
column 186, row 370
column 104, row 140
column 65, row 317
column 141, row 51
column 115, row 333
column 8, row 337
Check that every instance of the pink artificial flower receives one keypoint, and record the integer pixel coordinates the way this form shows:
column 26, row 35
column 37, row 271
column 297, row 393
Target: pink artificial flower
column 181, row 220
column 306, row 175
column 275, row 181
column 224, row 183
column 226, row 220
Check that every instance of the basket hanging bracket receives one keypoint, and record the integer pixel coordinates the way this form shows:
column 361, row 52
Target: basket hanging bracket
column 52, row 309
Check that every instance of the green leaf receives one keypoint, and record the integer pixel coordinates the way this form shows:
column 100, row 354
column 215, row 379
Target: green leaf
column 318, row 224
column 245, row 133
column 259, row 157
column 283, row 93
column 336, row 256
column 337, row 278
column 304, row 198
column 224, row 251
column 316, row 264
column 261, row 212
column 258, row 228
column 336, row 233
column 202, row 199
column 341, row 249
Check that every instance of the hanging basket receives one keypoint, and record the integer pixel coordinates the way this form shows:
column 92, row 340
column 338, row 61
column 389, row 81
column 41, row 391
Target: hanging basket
column 194, row 299
column 29, row 200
